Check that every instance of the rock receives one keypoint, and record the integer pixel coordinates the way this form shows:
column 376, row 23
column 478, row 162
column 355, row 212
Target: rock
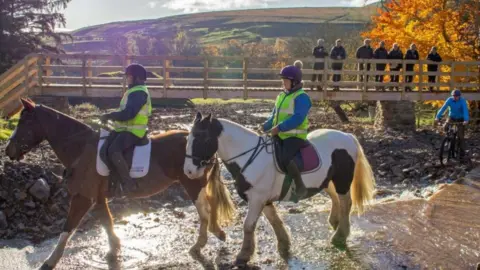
column 407, row 181
column 30, row 205
column 4, row 195
column 397, row 171
column 382, row 173
column 426, row 178
column 407, row 170
column 462, row 174
column 20, row 226
column 40, row 190
column 295, row 210
column 20, row 195
column 3, row 221
column 383, row 165
column 384, row 192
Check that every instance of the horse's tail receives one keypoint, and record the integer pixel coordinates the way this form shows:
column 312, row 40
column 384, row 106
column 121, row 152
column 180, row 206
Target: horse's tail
column 363, row 184
column 219, row 197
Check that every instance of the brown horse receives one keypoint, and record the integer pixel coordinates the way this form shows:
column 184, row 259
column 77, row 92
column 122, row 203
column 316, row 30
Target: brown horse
column 75, row 145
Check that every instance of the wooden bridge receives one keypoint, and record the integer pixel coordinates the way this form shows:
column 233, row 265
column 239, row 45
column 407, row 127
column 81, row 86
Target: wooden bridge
column 84, row 75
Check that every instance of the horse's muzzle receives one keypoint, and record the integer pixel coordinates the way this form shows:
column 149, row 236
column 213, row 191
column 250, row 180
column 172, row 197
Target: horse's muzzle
column 13, row 152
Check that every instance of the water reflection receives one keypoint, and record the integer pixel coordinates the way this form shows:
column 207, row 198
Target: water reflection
column 443, row 231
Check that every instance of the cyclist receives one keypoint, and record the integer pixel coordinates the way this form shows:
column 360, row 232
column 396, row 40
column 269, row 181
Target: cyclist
column 458, row 113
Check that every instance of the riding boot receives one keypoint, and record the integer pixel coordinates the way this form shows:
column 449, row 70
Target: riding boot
column 295, row 173
column 127, row 183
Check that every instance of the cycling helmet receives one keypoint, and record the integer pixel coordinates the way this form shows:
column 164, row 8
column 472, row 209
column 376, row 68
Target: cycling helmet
column 456, row 93
column 292, row 73
column 136, row 70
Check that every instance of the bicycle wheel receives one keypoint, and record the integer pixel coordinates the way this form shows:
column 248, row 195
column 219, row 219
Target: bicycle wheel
column 445, row 149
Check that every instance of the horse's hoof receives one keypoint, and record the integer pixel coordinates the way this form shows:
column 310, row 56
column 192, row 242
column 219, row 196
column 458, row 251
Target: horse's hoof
column 241, row 263
column 45, row 266
column 222, row 236
column 339, row 242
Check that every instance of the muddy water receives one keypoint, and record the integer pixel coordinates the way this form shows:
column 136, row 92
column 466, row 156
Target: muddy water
column 442, row 232
column 161, row 240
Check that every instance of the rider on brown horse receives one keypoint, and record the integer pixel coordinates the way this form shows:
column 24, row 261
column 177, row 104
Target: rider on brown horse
column 130, row 123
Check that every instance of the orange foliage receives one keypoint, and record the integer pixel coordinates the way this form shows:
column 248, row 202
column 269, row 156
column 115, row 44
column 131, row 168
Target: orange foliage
column 427, row 23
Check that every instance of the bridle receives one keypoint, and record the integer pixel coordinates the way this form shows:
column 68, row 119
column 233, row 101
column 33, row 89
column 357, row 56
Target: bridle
column 262, row 143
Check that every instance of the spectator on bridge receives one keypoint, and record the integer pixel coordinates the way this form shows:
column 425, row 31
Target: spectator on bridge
column 380, row 53
column 337, row 53
column 435, row 57
column 411, row 54
column 395, row 54
column 320, row 53
column 364, row 52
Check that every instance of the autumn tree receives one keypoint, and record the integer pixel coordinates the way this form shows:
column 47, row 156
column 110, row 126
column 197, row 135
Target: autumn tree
column 28, row 26
column 448, row 24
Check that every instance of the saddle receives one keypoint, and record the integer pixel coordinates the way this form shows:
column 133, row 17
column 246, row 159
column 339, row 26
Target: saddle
column 137, row 156
column 307, row 158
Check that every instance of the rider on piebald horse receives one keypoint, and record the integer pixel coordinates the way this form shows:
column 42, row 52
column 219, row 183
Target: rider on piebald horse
column 130, row 123
column 289, row 123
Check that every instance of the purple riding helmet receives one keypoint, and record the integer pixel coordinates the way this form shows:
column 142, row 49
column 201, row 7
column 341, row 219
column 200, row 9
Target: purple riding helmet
column 136, row 70
column 292, row 73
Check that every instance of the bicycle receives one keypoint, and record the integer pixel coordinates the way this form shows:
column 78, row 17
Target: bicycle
column 450, row 148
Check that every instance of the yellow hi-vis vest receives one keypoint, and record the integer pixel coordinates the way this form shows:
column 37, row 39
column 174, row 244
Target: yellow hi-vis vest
column 138, row 125
column 284, row 108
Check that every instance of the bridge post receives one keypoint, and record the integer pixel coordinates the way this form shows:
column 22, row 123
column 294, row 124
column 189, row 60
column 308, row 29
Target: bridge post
column 84, row 74
column 89, row 71
column 365, row 80
column 48, row 69
column 452, row 76
column 245, row 78
column 40, row 61
column 205, row 77
column 420, row 79
column 164, row 64
column 126, row 62
column 325, row 77
column 402, row 84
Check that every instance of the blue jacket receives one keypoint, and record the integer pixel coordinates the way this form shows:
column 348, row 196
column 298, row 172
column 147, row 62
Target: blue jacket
column 458, row 109
column 301, row 109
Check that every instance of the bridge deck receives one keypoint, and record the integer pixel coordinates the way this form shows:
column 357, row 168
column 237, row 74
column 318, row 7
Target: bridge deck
column 78, row 90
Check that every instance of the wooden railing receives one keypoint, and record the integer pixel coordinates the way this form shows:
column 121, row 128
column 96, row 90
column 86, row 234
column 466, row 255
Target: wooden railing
column 229, row 77
column 17, row 81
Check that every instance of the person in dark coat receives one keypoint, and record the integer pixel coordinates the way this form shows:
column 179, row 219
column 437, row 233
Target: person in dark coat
column 337, row 53
column 435, row 57
column 411, row 54
column 364, row 52
column 380, row 53
column 395, row 54
column 320, row 53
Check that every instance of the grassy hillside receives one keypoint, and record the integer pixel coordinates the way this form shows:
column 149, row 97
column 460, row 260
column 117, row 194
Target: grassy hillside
column 218, row 27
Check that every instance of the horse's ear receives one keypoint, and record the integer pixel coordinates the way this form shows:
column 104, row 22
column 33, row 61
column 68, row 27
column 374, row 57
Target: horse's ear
column 209, row 117
column 28, row 104
column 198, row 117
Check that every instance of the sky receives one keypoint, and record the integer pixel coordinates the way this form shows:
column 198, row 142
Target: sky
column 81, row 13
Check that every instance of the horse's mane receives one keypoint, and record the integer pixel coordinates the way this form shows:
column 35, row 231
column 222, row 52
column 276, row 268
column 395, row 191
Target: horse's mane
column 56, row 113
